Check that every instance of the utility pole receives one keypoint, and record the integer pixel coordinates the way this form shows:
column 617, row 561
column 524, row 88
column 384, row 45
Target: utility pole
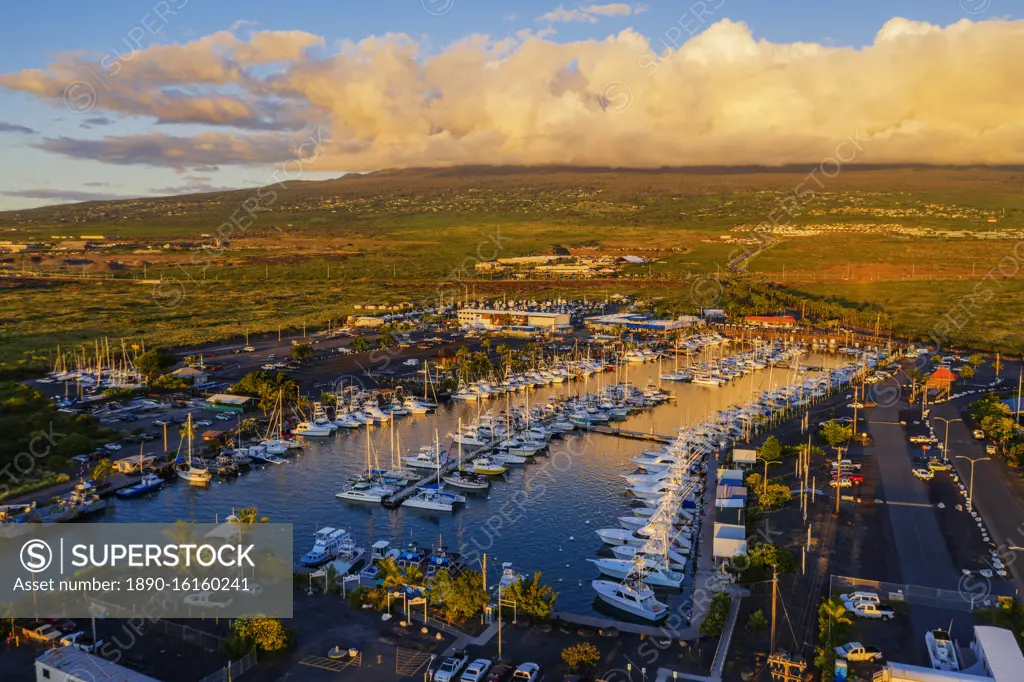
column 839, row 474
column 775, row 593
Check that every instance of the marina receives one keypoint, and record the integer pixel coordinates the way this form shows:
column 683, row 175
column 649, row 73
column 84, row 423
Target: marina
column 541, row 515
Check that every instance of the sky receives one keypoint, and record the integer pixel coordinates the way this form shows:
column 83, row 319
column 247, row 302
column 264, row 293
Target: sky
column 131, row 98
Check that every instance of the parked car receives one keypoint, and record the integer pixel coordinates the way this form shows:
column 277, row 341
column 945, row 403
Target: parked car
column 113, row 447
column 858, row 597
column 499, row 673
column 990, row 449
column 856, row 479
column 149, row 435
column 162, row 422
column 223, row 417
column 855, row 651
column 450, row 667
column 978, row 434
column 203, row 422
column 939, row 465
column 872, row 611
column 65, row 625
column 82, row 459
column 476, row 671
column 924, row 474
column 47, row 632
column 209, row 600
column 527, row 672
column 842, row 482
column 249, row 349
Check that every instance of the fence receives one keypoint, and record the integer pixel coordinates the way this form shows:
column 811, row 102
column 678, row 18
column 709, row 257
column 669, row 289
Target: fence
column 918, row 595
column 186, row 634
column 233, row 669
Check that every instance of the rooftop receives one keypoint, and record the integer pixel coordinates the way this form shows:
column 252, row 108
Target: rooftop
column 82, row 667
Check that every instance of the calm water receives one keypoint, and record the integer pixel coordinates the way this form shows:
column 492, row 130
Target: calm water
column 541, row 518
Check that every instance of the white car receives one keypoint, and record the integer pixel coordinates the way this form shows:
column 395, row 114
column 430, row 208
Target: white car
column 267, row 366
column 860, row 597
column 203, row 422
column 476, row 670
column 113, row 447
column 208, row 600
column 224, row 417
column 978, row 434
column 82, row 641
column 873, row 611
column 249, row 349
column 47, row 632
column 924, row 474
column 450, row 667
column 411, row 362
column 527, row 672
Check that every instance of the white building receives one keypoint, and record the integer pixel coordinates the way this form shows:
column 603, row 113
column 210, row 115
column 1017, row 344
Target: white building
column 996, row 658
column 490, row 319
column 68, row 664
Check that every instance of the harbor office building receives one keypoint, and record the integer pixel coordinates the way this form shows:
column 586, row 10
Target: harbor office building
column 633, row 322
column 493, row 319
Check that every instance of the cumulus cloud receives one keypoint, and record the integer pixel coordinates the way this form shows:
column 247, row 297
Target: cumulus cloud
column 920, row 93
column 15, row 128
column 591, row 13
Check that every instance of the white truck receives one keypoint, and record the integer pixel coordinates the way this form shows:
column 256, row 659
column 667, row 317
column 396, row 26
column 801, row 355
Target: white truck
column 867, row 610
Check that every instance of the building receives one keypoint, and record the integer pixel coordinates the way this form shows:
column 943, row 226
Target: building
column 730, row 477
column 996, row 658
column 730, row 533
column 713, row 314
column 225, row 402
column 636, row 322
column 771, row 321
column 744, row 456
column 492, row 319
column 367, row 321
column 194, row 375
column 68, row 664
column 730, row 497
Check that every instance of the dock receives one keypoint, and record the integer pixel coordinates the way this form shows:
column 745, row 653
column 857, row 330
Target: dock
column 635, row 435
column 395, row 500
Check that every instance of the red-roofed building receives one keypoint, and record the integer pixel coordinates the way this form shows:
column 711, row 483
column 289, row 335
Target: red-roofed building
column 941, row 380
column 772, row 321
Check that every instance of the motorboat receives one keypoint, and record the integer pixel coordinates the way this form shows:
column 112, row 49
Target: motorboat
column 485, row 466
column 364, row 491
column 348, row 555
column 654, row 572
column 633, row 598
column 431, row 500
column 379, row 551
column 509, row 575
column 466, row 481
column 676, row 558
column 307, row 428
column 326, row 543
column 149, row 483
column 941, row 650
column 415, row 406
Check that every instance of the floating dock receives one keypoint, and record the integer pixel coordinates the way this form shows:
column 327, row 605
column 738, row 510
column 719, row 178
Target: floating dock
column 624, row 433
column 395, row 500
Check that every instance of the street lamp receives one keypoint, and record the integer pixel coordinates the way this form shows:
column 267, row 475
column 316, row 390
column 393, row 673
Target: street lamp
column 970, row 492
column 945, row 440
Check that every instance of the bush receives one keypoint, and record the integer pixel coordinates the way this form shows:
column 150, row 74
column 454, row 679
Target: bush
column 718, row 612
column 757, row 622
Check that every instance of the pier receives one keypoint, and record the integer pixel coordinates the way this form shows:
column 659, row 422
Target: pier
column 395, row 500
column 635, row 435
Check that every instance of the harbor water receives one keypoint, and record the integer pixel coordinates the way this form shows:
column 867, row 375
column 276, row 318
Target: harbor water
column 540, row 516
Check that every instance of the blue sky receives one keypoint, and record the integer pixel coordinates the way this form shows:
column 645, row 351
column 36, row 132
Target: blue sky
column 34, row 35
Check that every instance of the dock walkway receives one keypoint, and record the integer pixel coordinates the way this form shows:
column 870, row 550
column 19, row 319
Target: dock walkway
column 451, row 464
column 635, row 435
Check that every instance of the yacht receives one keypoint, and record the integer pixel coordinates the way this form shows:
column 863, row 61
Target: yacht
column 676, row 558
column 426, row 459
column 431, row 500
column 364, row 491
column 415, row 406
column 149, row 483
column 485, row 466
column 941, row 650
column 635, row 599
column 654, row 572
column 307, row 428
column 466, row 481
column 326, row 543
column 186, row 469
column 347, row 556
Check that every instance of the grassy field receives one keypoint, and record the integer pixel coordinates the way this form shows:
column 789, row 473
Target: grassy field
column 321, row 247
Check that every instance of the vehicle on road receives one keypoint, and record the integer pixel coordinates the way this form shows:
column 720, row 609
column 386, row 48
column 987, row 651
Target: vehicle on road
column 476, row 671
column 990, row 449
column 203, row 422
column 223, row 417
column 113, row 447
column 499, row 673
column 451, row 666
column 82, row 459
column 842, row 482
column 924, row 474
column 856, row 479
column 267, row 366
column 209, row 600
column 940, row 465
column 855, row 651
column 871, row 611
column 249, row 349
column 978, row 434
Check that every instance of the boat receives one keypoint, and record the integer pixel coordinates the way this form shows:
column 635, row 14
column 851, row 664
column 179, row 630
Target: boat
column 653, row 570
column 307, row 428
column 941, row 650
column 431, row 500
column 379, row 551
column 676, row 557
column 634, row 598
column 186, row 470
column 415, row 406
column 347, row 557
column 466, row 481
column 509, row 575
column 149, row 483
column 485, row 466
column 326, row 543
column 364, row 491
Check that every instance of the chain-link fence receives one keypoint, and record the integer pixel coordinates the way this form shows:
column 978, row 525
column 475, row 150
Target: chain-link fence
column 233, row 669
column 204, row 640
column 967, row 597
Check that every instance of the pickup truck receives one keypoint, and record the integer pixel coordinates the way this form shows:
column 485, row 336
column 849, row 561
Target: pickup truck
column 864, row 610
column 939, row 465
column 855, row 651
column 924, row 474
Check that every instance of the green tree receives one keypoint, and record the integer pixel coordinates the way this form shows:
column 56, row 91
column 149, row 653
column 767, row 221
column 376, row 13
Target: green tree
column 102, row 470
column 461, row 596
column 581, row 655
column 360, row 345
column 387, row 340
column 774, row 496
column 264, row 634
column 767, row 555
column 155, row 362
column 976, row 360
column 833, row 623
column 757, row 622
column 770, row 450
column 966, row 372
column 302, row 352
column 531, row 596
column 835, row 434
column 718, row 612
column 74, row 444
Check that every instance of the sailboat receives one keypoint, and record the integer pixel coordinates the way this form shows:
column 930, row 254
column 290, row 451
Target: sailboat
column 149, row 483
column 186, row 471
column 433, row 498
column 463, row 480
column 367, row 489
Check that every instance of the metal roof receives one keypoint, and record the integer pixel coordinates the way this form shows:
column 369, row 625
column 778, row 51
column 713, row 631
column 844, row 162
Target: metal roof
column 1001, row 651
column 82, row 667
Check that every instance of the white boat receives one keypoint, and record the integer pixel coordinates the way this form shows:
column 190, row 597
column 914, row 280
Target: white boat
column 941, row 650
column 186, row 470
column 505, row 459
column 632, row 522
column 320, row 417
column 365, row 492
column 652, row 570
column 486, row 467
column 509, row 575
column 326, row 543
column 469, row 437
column 676, row 558
column 347, row 557
column 463, row 481
column 307, row 428
column 635, row 599
column 430, row 499
column 417, row 407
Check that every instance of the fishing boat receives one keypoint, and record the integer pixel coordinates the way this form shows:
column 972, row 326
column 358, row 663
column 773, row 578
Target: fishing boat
column 653, row 571
column 311, row 429
column 326, row 543
column 676, row 557
column 185, row 469
column 347, row 557
column 941, row 650
column 634, row 598
column 149, row 483
column 509, row 575
column 379, row 551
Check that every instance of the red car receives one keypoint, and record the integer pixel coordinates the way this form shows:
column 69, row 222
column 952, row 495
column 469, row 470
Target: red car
column 499, row 673
column 856, row 479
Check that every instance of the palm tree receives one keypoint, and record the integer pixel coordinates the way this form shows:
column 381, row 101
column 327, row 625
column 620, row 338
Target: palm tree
column 390, row 573
column 832, row 621
column 413, row 575
column 247, row 516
